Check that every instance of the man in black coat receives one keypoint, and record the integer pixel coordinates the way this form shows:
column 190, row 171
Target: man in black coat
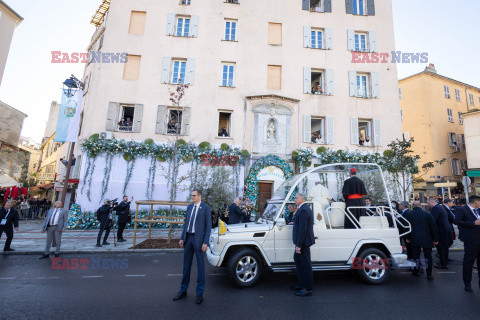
column 303, row 238
column 123, row 213
column 404, row 210
column 235, row 212
column 440, row 216
column 8, row 220
column 450, row 208
column 467, row 218
column 353, row 191
column 424, row 236
column 104, row 215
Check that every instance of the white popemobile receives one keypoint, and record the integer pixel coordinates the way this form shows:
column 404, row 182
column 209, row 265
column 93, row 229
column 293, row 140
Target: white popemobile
column 372, row 250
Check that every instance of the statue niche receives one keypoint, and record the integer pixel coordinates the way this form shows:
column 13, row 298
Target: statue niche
column 272, row 130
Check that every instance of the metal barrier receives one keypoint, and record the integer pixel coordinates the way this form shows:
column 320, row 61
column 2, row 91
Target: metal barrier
column 32, row 212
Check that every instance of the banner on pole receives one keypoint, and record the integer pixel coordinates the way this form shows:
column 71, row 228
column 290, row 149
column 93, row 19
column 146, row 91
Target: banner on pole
column 68, row 122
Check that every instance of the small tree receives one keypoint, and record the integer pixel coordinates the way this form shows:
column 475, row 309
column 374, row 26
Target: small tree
column 402, row 164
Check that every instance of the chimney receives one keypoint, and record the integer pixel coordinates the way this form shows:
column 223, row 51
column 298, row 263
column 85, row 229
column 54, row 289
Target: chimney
column 431, row 68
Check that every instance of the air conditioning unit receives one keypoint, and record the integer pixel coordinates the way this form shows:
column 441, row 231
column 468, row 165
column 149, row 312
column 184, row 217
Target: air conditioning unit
column 106, row 135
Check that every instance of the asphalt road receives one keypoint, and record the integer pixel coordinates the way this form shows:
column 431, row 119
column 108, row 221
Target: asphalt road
column 141, row 286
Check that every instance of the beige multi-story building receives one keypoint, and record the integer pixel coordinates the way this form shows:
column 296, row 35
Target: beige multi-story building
column 275, row 75
column 472, row 141
column 9, row 20
column 432, row 107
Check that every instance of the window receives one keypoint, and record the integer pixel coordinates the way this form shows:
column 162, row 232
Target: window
column 131, row 69
column 457, row 94
column 449, row 115
column 362, row 86
column 274, row 34
column 274, row 77
column 228, row 74
column 452, row 140
column 317, row 130
column 183, row 26
column 127, row 112
column 318, row 81
column 400, row 93
column 174, row 125
column 446, row 90
column 316, row 39
column 401, row 115
column 359, row 7
column 361, row 41
column 463, row 141
column 454, row 164
column 365, row 132
column 224, row 123
column 185, row 2
column 178, row 71
column 137, row 22
column 460, row 118
column 472, row 101
column 463, row 166
column 230, row 30
column 232, row 1
column 316, row 5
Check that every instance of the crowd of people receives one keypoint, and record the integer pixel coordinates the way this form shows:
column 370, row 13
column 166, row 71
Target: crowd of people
column 31, row 207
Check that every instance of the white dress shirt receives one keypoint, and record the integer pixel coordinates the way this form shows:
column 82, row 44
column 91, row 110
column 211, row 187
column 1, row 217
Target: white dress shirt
column 54, row 217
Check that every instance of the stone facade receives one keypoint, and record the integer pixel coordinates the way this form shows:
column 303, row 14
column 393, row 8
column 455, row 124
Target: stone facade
column 12, row 124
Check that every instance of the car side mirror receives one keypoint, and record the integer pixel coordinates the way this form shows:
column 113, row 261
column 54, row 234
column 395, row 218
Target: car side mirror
column 281, row 223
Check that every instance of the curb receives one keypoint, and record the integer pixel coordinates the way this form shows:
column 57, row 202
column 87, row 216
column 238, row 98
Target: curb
column 94, row 251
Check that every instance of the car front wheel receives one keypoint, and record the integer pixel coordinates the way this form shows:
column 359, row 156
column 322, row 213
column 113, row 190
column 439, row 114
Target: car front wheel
column 244, row 268
column 373, row 267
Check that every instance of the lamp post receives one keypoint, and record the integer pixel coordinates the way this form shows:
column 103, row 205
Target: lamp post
column 70, row 86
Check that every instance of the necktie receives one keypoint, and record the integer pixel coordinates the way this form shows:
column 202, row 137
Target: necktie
column 8, row 212
column 52, row 219
column 193, row 217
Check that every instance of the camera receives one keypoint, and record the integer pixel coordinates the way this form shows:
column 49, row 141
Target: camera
column 113, row 203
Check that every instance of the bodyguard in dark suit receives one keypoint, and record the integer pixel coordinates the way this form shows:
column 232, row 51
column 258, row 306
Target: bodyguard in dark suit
column 235, row 213
column 404, row 210
column 467, row 218
column 195, row 238
column 123, row 213
column 440, row 216
column 8, row 220
column 423, row 237
column 104, row 215
column 303, row 238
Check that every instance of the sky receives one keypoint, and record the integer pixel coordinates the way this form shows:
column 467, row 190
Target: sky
column 447, row 30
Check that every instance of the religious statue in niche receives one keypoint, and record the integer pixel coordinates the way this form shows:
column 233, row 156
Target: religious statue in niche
column 271, row 130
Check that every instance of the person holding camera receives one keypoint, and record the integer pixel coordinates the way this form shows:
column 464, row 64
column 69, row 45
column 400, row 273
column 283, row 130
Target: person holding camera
column 123, row 212
column 104, row 215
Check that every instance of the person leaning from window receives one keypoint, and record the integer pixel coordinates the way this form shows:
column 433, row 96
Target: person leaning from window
column 367, row 143
column 361, row 141
column 223, row 133
column 122, row 124
column 104, row 215
column 123, row 212
column 171, row 126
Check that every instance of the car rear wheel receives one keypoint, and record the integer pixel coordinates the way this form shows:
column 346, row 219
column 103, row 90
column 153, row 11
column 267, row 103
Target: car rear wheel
column 244, row 268
column 373, row 267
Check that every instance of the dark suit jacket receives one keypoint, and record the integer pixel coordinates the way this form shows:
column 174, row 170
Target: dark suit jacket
column 103, row 213
column 12, row 219
column 303, row 235
column 424, row 230
column 440, row 216
column 203, row 224
column 123, row 211
column 465, row 220
column 236, row 214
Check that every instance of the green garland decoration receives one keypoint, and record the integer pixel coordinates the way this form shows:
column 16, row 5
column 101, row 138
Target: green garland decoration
column 106, row 174
column 251, row 186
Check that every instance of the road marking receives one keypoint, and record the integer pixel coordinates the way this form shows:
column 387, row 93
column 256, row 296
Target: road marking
column 134, row 275
column 47, row 277
column 174, row 275
column 447, row 272
column 92, row 276
column 7, row 278
column 217, row 274
column 155, row 260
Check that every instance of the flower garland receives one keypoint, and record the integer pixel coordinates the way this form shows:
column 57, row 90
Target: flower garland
column 90, row 179
column 106, row 174
column 130, row 167
column 152, row 170
column 251, row 186
column 325, row 156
